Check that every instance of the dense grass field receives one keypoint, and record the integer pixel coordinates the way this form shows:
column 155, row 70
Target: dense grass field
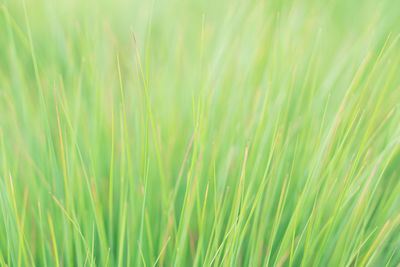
column 199, row 133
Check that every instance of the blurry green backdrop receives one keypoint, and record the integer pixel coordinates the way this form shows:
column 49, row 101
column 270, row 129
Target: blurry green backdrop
column 180, row 133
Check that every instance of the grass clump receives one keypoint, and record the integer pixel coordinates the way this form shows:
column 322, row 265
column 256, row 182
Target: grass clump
column 180, row 133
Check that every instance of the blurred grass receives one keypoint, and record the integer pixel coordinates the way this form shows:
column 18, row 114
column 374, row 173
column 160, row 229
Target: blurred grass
column 184, row 133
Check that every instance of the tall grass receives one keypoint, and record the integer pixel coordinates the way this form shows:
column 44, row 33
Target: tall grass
column 180, row 133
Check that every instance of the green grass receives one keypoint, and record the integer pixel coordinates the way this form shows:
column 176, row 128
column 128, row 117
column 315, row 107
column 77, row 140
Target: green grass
column 198, row 133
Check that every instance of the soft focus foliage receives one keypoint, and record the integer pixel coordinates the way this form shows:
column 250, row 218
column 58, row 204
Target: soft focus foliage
column 184, row 132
